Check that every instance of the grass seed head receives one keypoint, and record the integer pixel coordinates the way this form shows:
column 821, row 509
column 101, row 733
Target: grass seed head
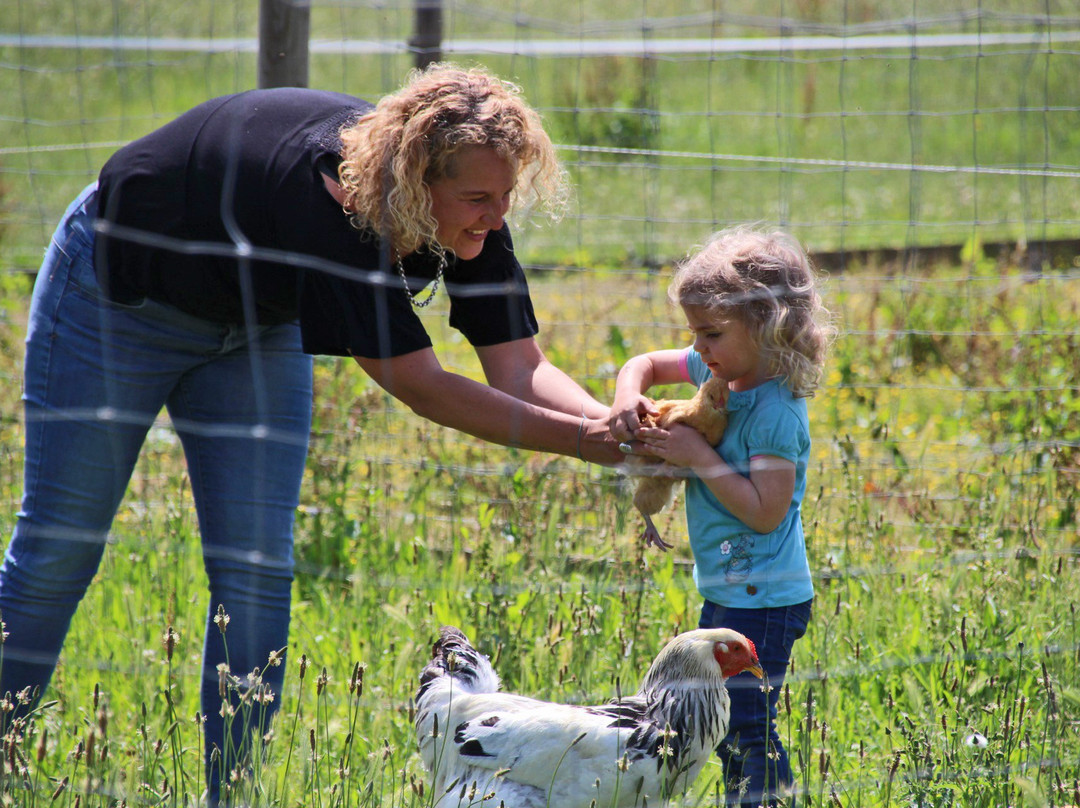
column 223, row 679
column 41, row 745
column 356, row 682
column 169, row 640
column 221, row 620
column 59, row 789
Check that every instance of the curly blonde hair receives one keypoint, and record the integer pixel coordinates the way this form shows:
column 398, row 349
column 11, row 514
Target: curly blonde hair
column 392, row 154
column 766, row 280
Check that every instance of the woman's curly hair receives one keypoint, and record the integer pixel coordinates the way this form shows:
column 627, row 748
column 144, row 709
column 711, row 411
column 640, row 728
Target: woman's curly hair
column 765, row 279
column 392, row 154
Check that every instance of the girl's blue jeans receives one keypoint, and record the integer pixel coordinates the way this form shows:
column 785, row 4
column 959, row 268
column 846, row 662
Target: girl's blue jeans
column 97, row 374
column 756, row 765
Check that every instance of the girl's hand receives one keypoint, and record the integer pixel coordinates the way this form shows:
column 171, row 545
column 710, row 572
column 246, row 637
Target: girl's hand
column 626, row 413
column 681, row 445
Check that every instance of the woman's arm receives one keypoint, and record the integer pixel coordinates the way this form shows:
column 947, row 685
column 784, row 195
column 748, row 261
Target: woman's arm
column 420, row 382
column 520, row 369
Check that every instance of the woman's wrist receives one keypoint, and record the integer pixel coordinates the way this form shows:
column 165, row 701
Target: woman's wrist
column 594, row 443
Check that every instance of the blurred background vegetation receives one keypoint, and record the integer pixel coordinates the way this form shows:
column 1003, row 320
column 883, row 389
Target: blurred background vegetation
column 910, row 142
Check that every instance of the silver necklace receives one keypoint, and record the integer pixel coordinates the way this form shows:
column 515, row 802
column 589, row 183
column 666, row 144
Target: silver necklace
column 434, row 286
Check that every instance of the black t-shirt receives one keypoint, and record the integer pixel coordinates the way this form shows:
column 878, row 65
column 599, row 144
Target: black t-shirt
column 224, row 209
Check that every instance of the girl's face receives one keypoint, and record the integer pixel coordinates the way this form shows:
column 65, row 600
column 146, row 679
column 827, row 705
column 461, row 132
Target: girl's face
column 473, row 201
column 726, row 348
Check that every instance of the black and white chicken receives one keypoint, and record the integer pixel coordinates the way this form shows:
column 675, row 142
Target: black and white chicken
column 485, row 747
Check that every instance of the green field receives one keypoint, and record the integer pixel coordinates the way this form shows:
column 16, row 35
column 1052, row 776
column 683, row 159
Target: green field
column 818, row 140
column 942, row 511
column 941, row 525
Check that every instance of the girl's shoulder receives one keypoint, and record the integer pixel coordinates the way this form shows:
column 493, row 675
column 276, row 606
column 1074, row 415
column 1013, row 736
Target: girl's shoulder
column 771, row 420
column 769, row 407
column 771, row 395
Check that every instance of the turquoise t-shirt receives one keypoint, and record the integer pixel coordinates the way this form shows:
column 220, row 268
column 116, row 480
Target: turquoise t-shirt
column 733, row 565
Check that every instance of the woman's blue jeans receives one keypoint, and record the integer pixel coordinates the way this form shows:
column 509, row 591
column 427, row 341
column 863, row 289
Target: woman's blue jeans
column 97, row 374
column 756, row 765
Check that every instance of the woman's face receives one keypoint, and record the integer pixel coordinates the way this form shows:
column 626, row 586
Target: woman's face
column 472, row 199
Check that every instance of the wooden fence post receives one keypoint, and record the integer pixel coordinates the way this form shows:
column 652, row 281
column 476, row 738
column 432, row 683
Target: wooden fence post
column 284, row 30
column 426, row 41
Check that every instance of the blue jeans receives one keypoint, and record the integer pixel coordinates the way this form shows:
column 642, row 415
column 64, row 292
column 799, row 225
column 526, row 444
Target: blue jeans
column 97, row 375
column 756, row 765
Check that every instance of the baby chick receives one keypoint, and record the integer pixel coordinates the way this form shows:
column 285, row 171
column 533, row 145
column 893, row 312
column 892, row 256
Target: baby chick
column 706, row 413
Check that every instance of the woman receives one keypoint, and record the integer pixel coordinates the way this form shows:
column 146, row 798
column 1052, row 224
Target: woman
column 209, row 261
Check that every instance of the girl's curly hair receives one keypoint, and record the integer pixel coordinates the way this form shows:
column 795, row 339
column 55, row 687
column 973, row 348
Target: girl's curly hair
column 766, row 280
column 393, row 153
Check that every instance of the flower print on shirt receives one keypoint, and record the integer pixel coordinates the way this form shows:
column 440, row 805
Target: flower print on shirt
column 739, row 561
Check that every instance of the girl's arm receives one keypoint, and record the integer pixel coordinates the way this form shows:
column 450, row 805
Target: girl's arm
column 759, row 501
column 420, row 382
column 635, row 378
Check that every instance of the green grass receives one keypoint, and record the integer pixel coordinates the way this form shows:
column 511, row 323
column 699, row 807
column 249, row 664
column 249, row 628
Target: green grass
column 815, row 140
column 941, row 524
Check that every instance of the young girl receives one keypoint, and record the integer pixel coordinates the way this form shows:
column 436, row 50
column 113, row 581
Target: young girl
column 750, row 300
